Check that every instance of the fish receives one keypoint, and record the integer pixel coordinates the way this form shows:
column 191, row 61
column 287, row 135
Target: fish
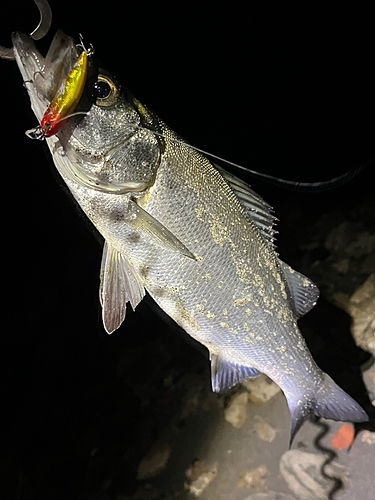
column 193, row 236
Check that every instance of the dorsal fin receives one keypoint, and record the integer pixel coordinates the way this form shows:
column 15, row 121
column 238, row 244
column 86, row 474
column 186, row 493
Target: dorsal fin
column 259, row 211
column 304, row 292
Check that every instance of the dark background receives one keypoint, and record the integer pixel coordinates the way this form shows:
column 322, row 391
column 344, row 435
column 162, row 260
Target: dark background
column 282, row 89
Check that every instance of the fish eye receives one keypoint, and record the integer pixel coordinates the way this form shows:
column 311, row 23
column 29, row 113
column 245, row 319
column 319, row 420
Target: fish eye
column 105, row 91
column 102, row 89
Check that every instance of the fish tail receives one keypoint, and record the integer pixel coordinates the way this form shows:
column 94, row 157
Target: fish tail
column 328, row 401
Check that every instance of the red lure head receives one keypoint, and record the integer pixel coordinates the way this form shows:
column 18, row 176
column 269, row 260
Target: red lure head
column 65, row 102
column 50, row 123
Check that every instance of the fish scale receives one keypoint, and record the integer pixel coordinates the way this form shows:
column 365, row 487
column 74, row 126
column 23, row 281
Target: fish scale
column 197, row 238
column 226, row 282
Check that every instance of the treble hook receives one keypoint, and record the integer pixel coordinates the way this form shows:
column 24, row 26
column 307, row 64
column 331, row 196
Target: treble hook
column 40, row 31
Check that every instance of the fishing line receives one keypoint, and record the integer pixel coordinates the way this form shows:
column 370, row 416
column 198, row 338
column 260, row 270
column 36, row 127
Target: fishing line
column 287, row 184
column 330, row 454
column 320, row 186
column 38, row 133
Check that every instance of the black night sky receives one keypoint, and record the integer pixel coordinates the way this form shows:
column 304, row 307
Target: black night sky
column 283, row 89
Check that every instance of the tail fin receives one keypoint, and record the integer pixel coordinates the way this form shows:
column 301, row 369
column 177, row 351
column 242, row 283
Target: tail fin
column 329, row 401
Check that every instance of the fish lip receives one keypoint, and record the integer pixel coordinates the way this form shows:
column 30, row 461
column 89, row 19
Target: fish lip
column 51, row 68
column 30, row 62
column 28, row 58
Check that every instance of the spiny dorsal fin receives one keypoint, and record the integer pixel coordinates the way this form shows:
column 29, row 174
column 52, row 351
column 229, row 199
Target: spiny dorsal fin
column 304, row 292
column 256, row 207
column 225, row 374
column 119, row 284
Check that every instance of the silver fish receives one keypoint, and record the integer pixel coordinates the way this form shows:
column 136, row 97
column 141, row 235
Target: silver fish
column 195, row 237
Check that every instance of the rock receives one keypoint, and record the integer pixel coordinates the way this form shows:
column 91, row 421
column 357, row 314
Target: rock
column 368, row 264
column 369, row 381
column 364, row 244
column 261, row 389
column 342, row 266
column 339, row 237
column 235, row 413
column 302, row 471
column 254, row 478
column 154, row 461
column 368, row 437
column 199, row 476
column 264, row 430
column 144, row 492
column 348, row 240
column 270, row 495
column 361, row 307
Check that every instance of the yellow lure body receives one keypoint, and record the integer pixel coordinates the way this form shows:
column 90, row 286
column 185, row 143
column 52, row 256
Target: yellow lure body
column 65, row 103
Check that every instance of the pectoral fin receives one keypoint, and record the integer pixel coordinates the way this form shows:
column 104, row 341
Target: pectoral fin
column 119, row 284
column 225, row 374
column 144, row 222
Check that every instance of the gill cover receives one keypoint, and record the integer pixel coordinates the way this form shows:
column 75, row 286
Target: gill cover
column 112, row 148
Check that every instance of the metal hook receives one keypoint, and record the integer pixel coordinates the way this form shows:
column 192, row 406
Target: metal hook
column 40, row 31
column 90, row 51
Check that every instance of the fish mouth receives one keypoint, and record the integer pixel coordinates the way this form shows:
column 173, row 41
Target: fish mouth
column 44, row 76
column 97, row 167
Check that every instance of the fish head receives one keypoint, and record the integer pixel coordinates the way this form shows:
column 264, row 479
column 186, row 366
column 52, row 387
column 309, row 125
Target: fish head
column 44, row 76
column 108, row 143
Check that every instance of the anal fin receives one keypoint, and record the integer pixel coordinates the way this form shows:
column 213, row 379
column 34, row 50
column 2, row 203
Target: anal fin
column 225, row 374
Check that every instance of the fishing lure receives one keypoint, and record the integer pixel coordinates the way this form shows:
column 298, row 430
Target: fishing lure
column 65, row 102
